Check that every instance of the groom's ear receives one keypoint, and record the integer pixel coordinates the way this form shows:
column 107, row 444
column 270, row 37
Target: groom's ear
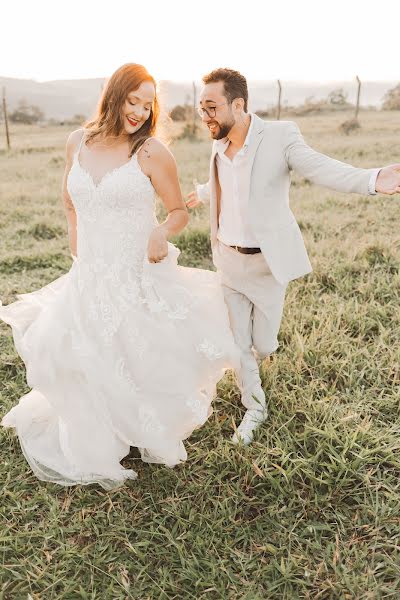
column 238, row 104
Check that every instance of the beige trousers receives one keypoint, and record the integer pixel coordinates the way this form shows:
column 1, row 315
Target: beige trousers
column 255, row 304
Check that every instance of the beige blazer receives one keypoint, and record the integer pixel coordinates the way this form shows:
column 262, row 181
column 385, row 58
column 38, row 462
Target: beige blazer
column 276, row 148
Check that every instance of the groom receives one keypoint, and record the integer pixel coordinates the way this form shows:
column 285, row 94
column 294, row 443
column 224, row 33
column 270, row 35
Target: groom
column 256, row 242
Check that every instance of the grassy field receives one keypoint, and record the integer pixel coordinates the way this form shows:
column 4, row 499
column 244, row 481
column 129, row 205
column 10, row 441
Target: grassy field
column 312, row 508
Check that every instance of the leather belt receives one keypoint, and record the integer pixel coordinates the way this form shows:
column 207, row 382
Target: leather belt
column 246, row 250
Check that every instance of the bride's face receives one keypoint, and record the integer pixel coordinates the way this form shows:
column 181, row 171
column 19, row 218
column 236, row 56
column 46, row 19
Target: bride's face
column 137, row 107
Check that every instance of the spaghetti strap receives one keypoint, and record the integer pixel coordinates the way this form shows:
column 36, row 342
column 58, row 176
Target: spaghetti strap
column 80, row 144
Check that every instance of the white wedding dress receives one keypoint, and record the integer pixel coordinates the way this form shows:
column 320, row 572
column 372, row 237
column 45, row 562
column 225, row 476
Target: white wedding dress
column 119, row 352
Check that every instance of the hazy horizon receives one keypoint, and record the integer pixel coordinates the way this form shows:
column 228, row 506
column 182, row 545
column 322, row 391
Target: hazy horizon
column 62, row 99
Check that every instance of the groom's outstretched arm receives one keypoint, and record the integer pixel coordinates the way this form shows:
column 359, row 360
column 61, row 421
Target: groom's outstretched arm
column 334, row 174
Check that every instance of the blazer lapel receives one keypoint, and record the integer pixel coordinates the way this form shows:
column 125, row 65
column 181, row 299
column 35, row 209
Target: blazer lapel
column 255, row 138
column 215, row 196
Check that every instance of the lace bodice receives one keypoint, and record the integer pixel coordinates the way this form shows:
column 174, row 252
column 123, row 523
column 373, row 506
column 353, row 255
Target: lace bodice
column 114, row 220
column 114, row 217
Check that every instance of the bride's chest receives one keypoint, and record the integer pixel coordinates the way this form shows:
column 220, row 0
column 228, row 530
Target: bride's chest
column 121, row 193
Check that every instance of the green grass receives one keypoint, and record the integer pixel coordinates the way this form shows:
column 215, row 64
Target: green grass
column 311, row 510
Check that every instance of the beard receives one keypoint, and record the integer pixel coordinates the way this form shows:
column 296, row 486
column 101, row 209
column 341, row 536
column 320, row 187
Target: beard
column 223, row 130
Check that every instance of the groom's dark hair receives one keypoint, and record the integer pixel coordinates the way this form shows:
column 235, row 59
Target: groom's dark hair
column 235, row 84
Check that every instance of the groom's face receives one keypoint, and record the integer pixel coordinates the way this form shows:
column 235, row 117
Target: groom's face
column 213, row 99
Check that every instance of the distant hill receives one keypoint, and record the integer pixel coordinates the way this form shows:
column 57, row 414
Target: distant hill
column 65, row 98
column 57, row 99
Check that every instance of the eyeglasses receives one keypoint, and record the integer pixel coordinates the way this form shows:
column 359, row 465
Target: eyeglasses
column 210, row 111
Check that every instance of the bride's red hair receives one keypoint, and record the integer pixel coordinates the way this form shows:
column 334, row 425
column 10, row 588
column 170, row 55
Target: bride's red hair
column 108, row 120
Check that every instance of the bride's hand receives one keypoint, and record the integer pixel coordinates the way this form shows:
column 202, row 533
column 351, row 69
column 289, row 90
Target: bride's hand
column 157, row 248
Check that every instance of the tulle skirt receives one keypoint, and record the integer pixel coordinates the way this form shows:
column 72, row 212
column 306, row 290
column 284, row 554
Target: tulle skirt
column 114, row 365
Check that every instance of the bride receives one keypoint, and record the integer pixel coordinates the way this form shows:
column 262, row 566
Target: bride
column 127, row 347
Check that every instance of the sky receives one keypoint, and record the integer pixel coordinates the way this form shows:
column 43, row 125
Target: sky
column 180, row 40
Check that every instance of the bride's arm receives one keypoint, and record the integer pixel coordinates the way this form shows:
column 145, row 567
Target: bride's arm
column 69, row 208
column 158, row 163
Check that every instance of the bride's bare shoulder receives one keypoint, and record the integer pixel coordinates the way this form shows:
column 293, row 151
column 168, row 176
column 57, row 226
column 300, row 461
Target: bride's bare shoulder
column 154, row 156
column 154, row 147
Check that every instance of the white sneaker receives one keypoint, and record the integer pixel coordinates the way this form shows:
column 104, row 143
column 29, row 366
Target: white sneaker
column 251, row 420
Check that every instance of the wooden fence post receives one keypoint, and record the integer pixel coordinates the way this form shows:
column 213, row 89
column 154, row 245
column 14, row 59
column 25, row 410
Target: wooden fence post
column 358, row 98
column 279, row 100
column 6, row 119
column 194, row 127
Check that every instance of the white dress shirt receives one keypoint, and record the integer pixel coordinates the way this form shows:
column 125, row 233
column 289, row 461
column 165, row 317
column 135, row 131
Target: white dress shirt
column 234, row 178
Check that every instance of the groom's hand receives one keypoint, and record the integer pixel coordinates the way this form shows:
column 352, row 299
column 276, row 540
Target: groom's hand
column 388, row 180
column 194, row 200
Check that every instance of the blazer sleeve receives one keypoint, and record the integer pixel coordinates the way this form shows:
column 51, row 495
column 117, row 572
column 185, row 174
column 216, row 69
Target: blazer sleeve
column 321, row 169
